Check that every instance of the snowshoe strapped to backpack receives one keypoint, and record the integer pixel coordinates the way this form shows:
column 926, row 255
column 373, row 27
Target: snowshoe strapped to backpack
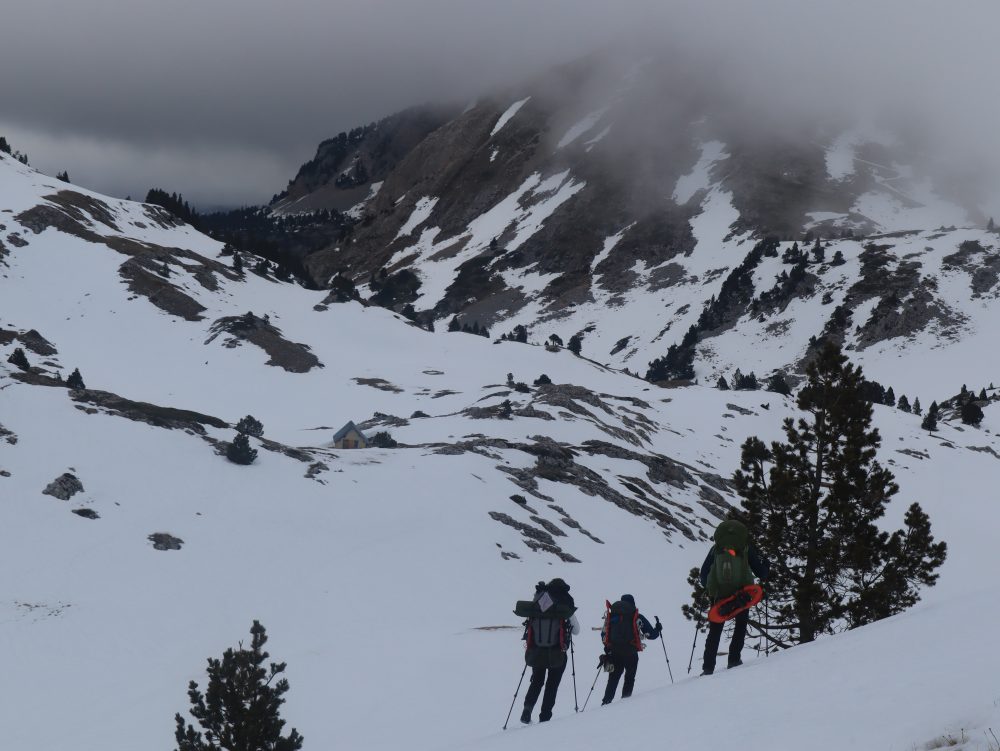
column 621, row 626
column 731, row 568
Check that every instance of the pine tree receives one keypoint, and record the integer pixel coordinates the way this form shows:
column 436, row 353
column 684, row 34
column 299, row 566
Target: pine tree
column 240, row 451
column 19, row 360
column 934, row 409
column 555, row 340
column 721, row 384
column 930, row 422
column 250, row 425
column 454, row 325
column 838, row 259
column 779, row 385
column 819, row 252
column 383, row 440
column 917, row 409
column 903, row 403
column 542, row 380
column 64, row 176
column 813, row 503
column 982, row 396
column 237, row 263
column 890, row 397
column 239, row 710
column 75, row 381
column 575, row 344
column 972, row 413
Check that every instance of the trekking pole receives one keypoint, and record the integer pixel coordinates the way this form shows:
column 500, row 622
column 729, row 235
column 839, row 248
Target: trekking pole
column 592, row 687
column 572, row 662
column 691, row 661
column 515, row 696
column 663, row 643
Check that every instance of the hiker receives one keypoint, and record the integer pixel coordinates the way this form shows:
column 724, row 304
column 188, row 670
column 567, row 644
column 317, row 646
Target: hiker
column 622, row 635
column 730, row 565
column 548, row 630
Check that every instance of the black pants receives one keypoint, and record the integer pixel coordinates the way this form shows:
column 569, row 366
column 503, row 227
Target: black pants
column 735, row 646
column 627, row 662
column 538, row 679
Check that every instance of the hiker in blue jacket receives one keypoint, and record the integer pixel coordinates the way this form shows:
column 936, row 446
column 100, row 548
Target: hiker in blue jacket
column 624, row 628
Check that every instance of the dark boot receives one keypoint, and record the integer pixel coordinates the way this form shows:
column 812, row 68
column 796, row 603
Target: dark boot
column 708, row 671
column 735, row 664
column 526, row 716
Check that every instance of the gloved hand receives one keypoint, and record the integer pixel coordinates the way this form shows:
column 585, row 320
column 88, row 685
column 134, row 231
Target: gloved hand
column 659, row 627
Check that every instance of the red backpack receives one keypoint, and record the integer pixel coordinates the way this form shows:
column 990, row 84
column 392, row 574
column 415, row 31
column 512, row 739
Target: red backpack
column 621, row 626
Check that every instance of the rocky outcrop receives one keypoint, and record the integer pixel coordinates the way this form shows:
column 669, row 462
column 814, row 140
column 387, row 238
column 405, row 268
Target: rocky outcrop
column 64, row 487
column 165, row 541
column 291, row 356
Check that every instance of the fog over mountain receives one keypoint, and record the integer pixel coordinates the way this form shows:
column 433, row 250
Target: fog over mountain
column 224, row 100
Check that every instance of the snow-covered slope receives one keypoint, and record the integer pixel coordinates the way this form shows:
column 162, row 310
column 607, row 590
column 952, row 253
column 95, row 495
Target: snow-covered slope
column 385, row 577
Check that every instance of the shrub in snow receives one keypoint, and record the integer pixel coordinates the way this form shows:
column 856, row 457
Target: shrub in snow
column 240, row 451
column 250, row 425
column 383, row 440
column 75, row 381
column 972, row 413
column 542, row 380
column 575, row 344
column 240, row 707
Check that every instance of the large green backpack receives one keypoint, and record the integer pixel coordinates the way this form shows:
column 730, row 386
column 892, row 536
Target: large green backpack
column 731, row 567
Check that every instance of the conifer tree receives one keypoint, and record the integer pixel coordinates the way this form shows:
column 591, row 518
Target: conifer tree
column 75, row 381
column 982, row 396
column 239, row 710
column 779, row 385
column 934, row 409
column 890, row 397
column 250, row 425
column 19, row 360
column 930, row 422
column 237, row 263
column 240, row 451
column 813, row 502
column 917, row 409
column 721, row 384
column 575, row 344
column 838, row 259
column 972, row 413
column 454, row 325
column 903, row 403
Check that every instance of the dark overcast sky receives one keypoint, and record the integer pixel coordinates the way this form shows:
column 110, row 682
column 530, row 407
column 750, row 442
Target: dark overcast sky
column 224, row 99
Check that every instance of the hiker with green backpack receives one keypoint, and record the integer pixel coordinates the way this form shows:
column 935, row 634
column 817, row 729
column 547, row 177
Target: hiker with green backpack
column 730, row 566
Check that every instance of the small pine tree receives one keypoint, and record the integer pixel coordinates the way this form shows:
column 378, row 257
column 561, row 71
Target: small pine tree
column 819, row 252
column 779, row 385
column 972, row 413
column 19, row 360
column 890, row 397
column 982, row 396
column 721, row 384
column 903, row 403
column 930, row 422
column 383, row 440
column 250, row 425
column 454, row 325
column 555, row 340
column 75, row 381
column 239, row 710
column 237, row 263
column 64, row 176
column 838, row 259
column 542, row 380
column 240, row 451
column 575, row 344
column 917, row 409
column 934, row 409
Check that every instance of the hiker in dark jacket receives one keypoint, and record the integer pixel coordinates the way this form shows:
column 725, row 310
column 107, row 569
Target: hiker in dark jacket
column 546, row 640
column 622, row 644
column 731, row 538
